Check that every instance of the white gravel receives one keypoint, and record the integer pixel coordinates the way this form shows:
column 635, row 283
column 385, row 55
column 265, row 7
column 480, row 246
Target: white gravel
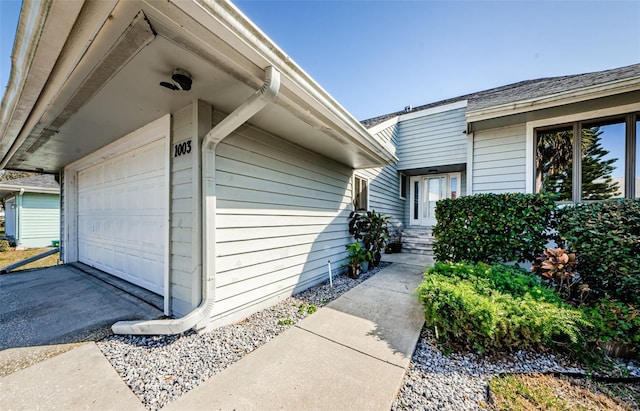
column 159, row 369
column 459, row 381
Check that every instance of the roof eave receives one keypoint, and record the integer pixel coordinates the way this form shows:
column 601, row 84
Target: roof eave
column 264, row 50
column 554, row 100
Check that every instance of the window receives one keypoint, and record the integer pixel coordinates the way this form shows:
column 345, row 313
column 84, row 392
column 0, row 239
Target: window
column 403, row 186
column 360, row 193
column 637, row 160
column 587, row 160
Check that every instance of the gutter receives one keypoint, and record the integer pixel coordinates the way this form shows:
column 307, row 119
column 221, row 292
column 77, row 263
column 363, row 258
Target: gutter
column 199, row 317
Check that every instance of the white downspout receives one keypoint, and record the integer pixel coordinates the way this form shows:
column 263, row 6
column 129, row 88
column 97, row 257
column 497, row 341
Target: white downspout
column 199, row 317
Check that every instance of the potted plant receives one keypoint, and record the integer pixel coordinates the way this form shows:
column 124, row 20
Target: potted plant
column 357, row 256
column 395, row 243
column 372, row 229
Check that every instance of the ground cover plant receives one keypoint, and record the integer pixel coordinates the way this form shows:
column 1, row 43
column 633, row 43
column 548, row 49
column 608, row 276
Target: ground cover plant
column 495, row 307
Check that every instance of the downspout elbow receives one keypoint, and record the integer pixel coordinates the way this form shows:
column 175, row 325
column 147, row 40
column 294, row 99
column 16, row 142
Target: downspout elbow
column 199, row 317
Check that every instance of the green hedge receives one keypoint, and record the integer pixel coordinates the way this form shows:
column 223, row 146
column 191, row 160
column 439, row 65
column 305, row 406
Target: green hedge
column 492, row 227
column 606, row 239
column 469, row 309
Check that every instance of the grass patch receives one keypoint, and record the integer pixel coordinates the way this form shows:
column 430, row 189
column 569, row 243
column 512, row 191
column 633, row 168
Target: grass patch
column 13, row 256
column 524, row 392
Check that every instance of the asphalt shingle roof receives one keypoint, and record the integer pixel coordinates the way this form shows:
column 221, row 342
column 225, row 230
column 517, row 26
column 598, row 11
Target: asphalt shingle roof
column 41, row 181
column 524, row 90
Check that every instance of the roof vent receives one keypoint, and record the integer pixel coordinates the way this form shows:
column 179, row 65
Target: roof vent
column 407, row 109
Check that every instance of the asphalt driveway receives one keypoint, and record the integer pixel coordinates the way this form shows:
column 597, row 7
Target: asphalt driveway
column 65, row 304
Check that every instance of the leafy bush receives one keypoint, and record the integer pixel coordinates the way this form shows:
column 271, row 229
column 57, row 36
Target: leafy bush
column 373, row 230
column 468, row 309
column 606, row 238
column 492, row 227
column 4, row 246
column 612, row 321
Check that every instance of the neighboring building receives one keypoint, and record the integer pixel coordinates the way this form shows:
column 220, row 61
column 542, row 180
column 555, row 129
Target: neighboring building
column 196, row 159
column 32, row 210
column 515, row 138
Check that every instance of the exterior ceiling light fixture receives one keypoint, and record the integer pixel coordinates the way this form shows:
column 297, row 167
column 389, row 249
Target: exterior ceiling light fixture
column 180, row 80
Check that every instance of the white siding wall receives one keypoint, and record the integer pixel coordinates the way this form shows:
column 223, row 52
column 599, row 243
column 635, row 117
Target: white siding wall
column 499, row 157
column 190, row 123
column 432, row 140
column 282, row 214
column 39, row 219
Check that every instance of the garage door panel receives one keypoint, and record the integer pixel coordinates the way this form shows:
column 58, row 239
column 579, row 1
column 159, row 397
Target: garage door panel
column 121, row 216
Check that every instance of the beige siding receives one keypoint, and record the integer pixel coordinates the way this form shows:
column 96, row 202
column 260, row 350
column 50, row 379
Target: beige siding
column 499, row 160
column 282, row 215
column 432, row 140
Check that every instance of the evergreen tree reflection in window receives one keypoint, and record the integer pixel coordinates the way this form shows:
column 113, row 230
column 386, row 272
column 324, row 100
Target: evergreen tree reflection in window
column 554, row 162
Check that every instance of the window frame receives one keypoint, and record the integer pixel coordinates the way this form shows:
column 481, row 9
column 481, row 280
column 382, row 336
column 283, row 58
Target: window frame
column 630, row 113
column 357, row 176
column 402, row 194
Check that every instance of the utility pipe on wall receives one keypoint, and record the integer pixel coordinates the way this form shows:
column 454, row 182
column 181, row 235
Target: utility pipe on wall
column 199, row 317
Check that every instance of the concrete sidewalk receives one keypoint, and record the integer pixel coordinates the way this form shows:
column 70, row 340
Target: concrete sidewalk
column 351, row 354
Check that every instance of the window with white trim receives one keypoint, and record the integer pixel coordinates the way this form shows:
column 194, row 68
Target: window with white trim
column 589, row 160
column 403, row 185
column 360, row 193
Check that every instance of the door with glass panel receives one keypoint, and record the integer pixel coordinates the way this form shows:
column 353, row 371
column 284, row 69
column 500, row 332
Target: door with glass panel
column 426, row 191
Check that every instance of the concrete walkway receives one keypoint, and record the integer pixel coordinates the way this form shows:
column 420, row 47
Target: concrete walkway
column 351, row 354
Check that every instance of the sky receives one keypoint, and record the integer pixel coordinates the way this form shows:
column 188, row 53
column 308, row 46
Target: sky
column 376, row 57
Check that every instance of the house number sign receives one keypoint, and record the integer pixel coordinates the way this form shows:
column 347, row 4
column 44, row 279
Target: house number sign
column 181, row 148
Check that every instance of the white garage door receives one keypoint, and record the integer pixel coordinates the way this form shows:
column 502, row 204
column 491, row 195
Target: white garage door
column 121, row 216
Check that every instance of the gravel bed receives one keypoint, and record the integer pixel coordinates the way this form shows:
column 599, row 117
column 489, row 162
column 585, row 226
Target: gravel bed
column 159, row 369
column 459, row 381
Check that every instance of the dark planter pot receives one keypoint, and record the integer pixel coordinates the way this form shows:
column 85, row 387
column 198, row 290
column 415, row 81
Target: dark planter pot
column 354, row 271
column 377, row 256
column 394, row 248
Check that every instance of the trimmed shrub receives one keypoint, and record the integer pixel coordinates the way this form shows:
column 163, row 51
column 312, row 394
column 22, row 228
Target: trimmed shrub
column 4, row 246
column 606, row 239
column 468, row 309
column 492, row 227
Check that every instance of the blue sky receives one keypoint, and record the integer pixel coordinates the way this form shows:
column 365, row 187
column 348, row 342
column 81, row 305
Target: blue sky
column 377, row 57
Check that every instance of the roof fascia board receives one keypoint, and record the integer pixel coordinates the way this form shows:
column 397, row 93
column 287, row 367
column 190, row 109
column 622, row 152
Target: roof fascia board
column 384, row 125
column 305, row 94
column 568, row 97
column 433, row 110
column 42, row 32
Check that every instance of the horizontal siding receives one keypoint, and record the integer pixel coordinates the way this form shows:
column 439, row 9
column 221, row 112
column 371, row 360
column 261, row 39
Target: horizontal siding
column 384, row 184
column 282, row 213
column 183, row 274
column 432, row 140
column 39, row 219
column 499, row 158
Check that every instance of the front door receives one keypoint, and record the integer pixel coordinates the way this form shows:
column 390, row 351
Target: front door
column 426, row 191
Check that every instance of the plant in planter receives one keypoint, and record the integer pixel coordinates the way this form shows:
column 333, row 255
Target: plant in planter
column 395, row 243
column 357, row 256
column 372, row 229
